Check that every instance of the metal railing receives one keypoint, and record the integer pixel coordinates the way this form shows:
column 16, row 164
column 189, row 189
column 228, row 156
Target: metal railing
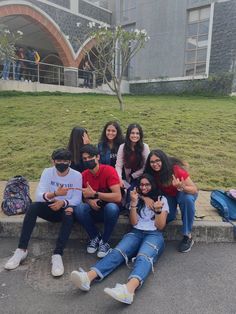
column 45, row 73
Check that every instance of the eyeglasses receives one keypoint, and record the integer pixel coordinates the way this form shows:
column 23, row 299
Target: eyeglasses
column 144, row 185
column 157, row 161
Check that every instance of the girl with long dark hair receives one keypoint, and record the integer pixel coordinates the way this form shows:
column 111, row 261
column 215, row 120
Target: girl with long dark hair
column 132, row 155
column 78, row 138
column 111, row 139
column 175, row 183
column 143, row 244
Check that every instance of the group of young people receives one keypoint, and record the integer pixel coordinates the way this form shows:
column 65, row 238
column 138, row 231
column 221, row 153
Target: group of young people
column 90, row 184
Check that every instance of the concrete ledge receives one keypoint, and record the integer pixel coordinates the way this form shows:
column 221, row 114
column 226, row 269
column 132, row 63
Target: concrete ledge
column 208, row 226
column 203, row 231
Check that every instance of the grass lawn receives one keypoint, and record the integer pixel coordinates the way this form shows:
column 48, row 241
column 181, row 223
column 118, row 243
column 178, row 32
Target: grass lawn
column 200, row 130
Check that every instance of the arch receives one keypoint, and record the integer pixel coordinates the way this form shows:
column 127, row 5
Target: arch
column 88, row 45
column 38, row 16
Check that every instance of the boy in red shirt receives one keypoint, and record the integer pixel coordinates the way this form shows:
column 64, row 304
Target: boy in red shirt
column 102, row 195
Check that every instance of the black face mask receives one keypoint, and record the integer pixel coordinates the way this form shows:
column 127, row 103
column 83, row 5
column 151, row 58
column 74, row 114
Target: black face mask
column 90, row 164
column 62, row 167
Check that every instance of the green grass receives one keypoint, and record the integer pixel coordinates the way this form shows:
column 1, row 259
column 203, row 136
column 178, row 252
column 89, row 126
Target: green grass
column 199, row 130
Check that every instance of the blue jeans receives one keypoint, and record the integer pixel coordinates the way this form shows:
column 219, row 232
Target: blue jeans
column 17, row 70
column 42, row 210
column 186, row 204
column 145, row 247
column 6, row 69
column 87, row 216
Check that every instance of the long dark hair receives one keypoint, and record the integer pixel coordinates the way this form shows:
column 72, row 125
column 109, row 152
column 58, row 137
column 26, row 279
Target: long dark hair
column 138, row 148
column 119, row 139
column 76, row 143
column 167, row 164
column 153, row 194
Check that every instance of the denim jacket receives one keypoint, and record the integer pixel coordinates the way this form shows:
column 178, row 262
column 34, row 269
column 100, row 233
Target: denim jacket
column 104, row 154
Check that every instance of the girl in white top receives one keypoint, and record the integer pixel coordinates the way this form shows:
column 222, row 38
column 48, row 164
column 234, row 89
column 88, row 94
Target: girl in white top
column 143, row 244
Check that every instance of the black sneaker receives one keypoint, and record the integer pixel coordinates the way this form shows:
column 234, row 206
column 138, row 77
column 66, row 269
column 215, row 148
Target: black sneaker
column 103, row 249
column 186, row 244
column 93, row 244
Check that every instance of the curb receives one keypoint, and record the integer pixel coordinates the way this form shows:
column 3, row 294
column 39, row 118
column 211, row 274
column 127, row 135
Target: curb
column 203, row 231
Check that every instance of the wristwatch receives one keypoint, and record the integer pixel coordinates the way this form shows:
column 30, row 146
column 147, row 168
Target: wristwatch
column 157, row 212
column 95, row 195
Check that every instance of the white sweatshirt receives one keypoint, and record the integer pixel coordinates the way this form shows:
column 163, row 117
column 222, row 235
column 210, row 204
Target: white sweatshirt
column 50, row 181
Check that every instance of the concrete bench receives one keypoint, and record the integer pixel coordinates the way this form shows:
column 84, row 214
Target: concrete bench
column 208, row 225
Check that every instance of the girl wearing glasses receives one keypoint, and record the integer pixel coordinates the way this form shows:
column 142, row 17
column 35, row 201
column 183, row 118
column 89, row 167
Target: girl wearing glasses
column 175, row 183
column 143, row 244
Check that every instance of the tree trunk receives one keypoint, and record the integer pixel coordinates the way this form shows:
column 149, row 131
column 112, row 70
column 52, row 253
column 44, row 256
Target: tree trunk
column 120, row 99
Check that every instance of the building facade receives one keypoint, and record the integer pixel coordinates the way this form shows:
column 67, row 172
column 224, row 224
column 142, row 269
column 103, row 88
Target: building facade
column 192, row 44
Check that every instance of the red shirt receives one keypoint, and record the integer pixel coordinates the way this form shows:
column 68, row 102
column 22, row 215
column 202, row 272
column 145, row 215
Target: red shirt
column 102, row 180
column 171, row 190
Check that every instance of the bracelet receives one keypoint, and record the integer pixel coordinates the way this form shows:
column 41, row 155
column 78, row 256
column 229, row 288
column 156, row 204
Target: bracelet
column 180, row 189
column 132, row 206
column 158, row 212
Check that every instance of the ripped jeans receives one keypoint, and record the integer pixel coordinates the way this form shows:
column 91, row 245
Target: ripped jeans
column 143, row 247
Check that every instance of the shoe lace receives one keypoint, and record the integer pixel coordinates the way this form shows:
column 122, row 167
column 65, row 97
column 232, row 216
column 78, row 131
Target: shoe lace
column 103, row 246
column 94, row 242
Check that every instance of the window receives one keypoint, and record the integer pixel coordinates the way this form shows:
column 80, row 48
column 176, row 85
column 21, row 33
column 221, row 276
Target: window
column 197, row 41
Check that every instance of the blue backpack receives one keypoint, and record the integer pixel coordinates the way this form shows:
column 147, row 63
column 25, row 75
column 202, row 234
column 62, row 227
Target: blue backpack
column 225, row 203
column 16, row 199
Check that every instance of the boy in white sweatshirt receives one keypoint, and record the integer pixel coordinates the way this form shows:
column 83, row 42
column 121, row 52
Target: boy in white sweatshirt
column 58, row 193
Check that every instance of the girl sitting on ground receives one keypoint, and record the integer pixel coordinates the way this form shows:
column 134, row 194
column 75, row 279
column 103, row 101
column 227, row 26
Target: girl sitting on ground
column 143, row 244
column 110, row 141
column 78, row 138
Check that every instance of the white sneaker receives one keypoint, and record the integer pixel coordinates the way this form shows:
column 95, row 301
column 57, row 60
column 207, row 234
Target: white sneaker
column 16, row 259
column 57, row 265
column 80, row 279
column 120, row 293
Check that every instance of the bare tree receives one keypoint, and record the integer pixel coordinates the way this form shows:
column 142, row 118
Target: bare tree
column 113, row 49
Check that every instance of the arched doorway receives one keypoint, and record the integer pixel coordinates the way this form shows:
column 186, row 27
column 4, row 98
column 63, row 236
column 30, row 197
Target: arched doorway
column 40, row 19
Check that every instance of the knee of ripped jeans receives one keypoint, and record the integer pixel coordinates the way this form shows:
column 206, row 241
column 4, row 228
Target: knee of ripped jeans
column 145, row 257
column 123, row 254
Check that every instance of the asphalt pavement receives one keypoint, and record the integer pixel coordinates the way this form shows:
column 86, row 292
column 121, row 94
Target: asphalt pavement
column 202, row 281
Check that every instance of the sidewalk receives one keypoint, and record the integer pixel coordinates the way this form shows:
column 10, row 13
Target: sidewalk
column 208, row 225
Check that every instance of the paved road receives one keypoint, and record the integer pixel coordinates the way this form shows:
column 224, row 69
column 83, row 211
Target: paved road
column 202, row 281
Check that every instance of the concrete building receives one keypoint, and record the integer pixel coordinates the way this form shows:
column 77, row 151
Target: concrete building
column 192, row 43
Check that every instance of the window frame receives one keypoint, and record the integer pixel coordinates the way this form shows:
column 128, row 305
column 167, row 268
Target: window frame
column 197, row 63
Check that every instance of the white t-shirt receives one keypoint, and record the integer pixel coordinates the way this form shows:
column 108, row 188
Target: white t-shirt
column 50, row 181
column 146, row 219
